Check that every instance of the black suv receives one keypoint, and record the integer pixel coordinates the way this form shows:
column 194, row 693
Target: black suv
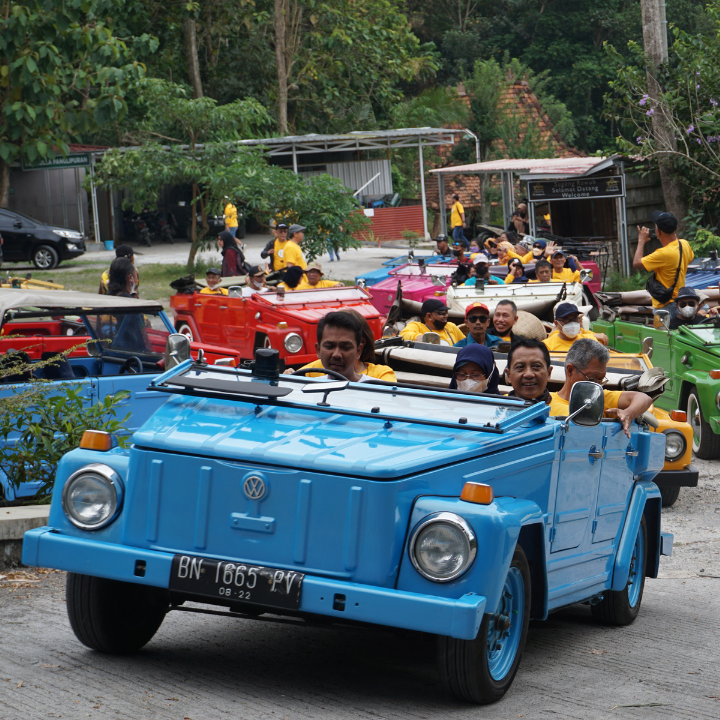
column 28, row 239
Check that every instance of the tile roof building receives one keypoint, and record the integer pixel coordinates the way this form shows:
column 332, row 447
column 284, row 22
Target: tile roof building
column 522, row 105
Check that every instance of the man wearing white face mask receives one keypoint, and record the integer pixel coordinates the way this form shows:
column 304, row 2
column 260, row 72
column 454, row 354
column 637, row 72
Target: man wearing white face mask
column 688, row 304
column 213, row 279
column 568, row 329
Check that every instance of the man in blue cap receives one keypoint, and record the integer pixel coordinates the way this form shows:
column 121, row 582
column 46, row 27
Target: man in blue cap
column 568, row 329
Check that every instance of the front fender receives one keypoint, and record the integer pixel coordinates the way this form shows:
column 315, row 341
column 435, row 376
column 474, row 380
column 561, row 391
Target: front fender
column 708, row 390
column 645, row 500
column 498, row 529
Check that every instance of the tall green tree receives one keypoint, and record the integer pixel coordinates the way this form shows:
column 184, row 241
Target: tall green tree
column 182, row 141
column 64, row 73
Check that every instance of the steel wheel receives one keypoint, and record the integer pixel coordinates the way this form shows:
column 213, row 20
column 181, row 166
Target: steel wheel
column 705, row 443
column 186, row 330
column 482, row 670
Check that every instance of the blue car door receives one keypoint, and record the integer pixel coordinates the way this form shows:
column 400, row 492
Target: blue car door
column 141, row 402
column 616, row 482
column 577, row 486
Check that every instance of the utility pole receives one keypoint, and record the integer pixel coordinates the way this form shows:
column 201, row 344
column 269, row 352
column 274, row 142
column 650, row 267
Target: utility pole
column 655, row 41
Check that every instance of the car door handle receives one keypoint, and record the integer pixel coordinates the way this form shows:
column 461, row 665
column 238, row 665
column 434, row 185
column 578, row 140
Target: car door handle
column 597, row 454
column 223, row 307
column 632, row 453
column 619, row 337
column 198, row 304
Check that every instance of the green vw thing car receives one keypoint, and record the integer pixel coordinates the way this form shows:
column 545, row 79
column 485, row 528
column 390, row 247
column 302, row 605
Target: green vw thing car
column 690, row 357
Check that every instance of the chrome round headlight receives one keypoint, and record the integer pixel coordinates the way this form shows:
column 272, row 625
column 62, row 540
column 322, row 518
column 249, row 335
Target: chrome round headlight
column 675, row 444
column 293, row 343
column 92, row 496
column 442, row 547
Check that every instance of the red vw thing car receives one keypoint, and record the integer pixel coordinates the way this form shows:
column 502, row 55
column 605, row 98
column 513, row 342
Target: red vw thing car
column 286, row 322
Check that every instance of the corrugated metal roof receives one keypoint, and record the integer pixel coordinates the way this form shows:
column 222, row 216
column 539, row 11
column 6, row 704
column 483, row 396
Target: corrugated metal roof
column 356, row 135
column 564, row 166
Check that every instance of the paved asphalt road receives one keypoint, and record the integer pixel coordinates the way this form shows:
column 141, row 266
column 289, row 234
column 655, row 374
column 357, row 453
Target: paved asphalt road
column 200, row 667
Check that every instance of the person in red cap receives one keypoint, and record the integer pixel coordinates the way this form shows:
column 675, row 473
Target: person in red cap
column 434, row 314
column 477, row 319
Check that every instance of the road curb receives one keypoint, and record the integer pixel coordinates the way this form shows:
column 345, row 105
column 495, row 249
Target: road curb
column 14, row 523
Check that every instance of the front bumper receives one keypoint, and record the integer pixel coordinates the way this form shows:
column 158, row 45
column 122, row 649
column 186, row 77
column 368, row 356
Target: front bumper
column 458, row 618
column 687, row 477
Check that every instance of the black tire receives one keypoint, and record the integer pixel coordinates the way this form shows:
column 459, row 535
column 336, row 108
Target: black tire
column 146, row 239
column 465, row 666
column 167, row 235
column 111, row 616
column 669, row 495
column 240, row 234
column 621, row 607
column 45, row 258
column 705, row 443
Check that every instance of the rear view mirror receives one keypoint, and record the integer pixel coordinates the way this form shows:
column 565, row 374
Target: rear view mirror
column 647, row 346
column 235, row 291
column 662, row 319
column 585, row 275
column 361, row 283
column 438, row 280
column 177, row 350
column 587, row 404
column 430, row 337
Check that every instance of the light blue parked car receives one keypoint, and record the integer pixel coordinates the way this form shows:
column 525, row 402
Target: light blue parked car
column 382, row 273
column 461, row 515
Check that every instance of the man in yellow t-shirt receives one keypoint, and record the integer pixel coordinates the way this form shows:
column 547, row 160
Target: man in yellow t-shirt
column 587, row 360
column 543, row 272
column 340, row 348
column 434, row 313
column 562, row 273
column 213, row 277
column 568, row 329
column 665, row 261
column 457, row 221
column 230, row 214
column 313, row 279
column 285, row 252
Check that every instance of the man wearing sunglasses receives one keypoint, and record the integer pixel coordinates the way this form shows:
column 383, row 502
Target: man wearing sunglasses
column 477, row 319
column 434, row 314
column 587, row 360
column 688, row 307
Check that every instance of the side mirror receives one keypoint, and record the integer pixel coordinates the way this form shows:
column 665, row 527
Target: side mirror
column 177, row 350
column 361, row 283
column 438, row 280
column 234, row 291
column 661, row 319
column 647, row 346
column 587, row 404
column 95, row 347
column 430, row 337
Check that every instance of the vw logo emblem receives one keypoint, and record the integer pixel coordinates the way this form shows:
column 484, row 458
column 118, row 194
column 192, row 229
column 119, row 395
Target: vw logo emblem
column 254, row 487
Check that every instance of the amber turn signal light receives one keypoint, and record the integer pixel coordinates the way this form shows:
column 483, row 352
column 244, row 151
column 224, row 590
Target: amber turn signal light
column 679, row 415
column 715, row 374
column 96, row 440
column 477, row 493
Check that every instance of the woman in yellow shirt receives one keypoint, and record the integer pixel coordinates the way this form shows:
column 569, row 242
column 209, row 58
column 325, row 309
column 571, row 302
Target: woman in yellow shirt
column 516, row 272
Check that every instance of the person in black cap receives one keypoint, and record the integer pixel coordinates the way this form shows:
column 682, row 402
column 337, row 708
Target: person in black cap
column 213, row 278
column 284, row 253
column 442, row 245
column 568, row 329
column 669, row 263
column 688, row 305
column 255, row 281
column 121, row 251
column 434, row 314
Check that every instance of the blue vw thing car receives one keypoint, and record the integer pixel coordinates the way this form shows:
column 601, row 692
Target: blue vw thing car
column 461, row 515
